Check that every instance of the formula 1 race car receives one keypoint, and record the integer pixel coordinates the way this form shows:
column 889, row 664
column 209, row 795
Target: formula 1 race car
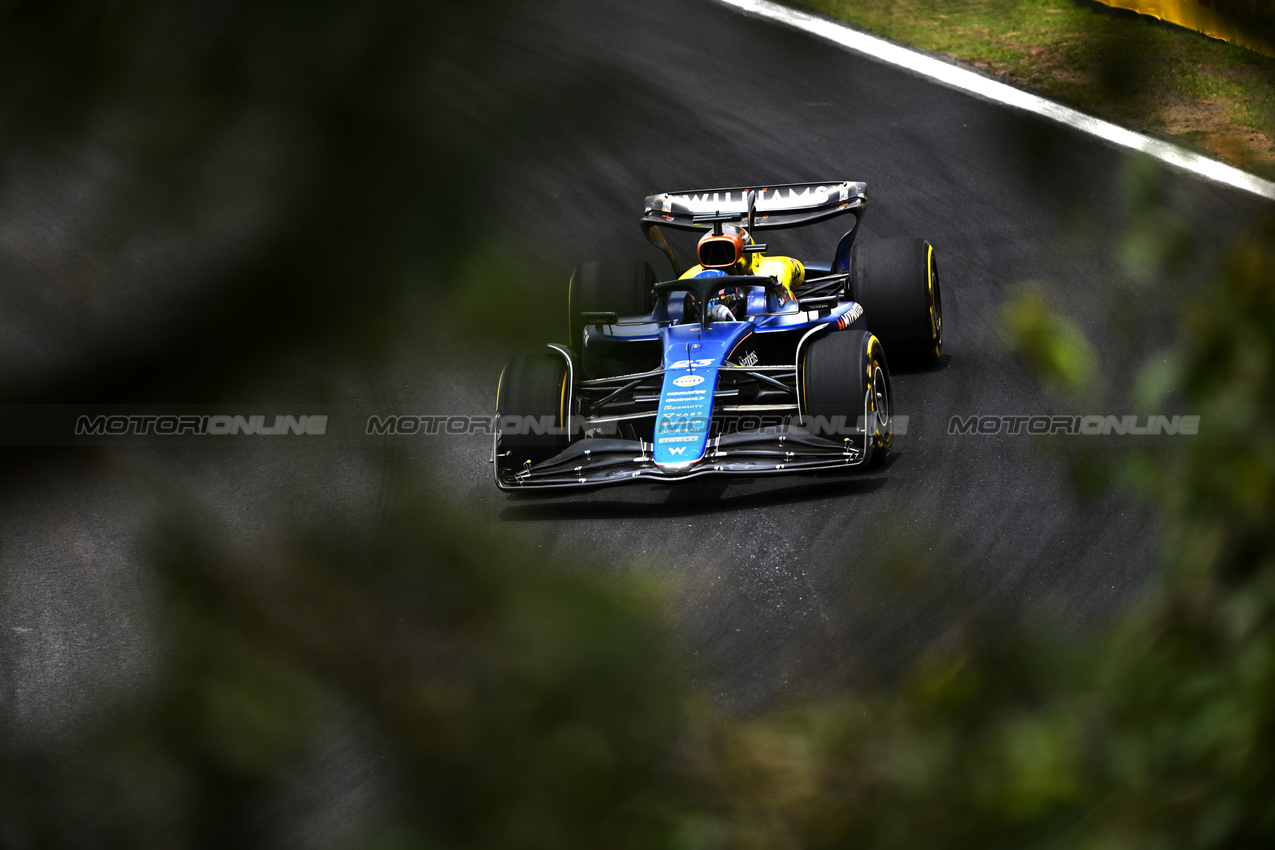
column 745, row 363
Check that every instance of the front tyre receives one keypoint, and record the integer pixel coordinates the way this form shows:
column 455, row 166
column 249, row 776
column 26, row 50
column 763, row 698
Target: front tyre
column 531, row 408
column 846, row 391
column 897, row 282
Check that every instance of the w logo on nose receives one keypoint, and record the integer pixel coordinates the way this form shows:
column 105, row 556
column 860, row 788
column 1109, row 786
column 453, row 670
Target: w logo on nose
column 677, row 451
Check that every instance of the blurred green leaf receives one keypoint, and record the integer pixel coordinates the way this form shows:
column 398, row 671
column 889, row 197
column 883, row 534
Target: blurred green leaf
column 1053, row 344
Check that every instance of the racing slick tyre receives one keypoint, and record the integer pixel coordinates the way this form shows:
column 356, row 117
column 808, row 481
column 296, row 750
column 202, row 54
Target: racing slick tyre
column 845, row 387
column 607, row 286
column 531, row 408
column 897, row 282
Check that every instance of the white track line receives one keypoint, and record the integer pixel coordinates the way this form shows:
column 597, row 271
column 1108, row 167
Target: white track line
column 977, row 84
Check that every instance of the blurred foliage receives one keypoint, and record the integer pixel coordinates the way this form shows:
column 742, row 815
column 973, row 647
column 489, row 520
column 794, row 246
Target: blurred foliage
column 1157, row 734
column 276, row 137
column 494, row 700
column 508, row 704
column 517, row 704
column 1053, row 344
column 1155, row 242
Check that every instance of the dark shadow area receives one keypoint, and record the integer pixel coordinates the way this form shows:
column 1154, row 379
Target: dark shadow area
column 944, row 361
column 694, row 498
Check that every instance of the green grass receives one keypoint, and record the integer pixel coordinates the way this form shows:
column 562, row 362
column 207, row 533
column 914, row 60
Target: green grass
column 1130, row 69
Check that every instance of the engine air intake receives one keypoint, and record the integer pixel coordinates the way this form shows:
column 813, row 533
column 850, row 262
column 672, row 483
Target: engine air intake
column 720, row 252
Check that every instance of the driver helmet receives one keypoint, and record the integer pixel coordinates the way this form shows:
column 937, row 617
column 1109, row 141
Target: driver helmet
column 727, row 305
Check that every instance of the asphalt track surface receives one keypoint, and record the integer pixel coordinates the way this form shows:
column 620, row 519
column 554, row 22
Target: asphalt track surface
column 782, row 584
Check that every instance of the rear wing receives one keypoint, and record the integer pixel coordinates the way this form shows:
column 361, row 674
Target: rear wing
column 765, row 207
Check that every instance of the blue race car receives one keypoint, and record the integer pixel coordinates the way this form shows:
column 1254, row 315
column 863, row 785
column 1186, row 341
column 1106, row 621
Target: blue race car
column 746, row 363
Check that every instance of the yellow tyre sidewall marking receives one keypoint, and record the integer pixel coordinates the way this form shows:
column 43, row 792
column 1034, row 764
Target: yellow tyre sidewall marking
column 935, row 319
column 562, row 403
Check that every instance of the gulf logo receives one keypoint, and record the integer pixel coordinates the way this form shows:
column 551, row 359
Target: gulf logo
column 689, row 380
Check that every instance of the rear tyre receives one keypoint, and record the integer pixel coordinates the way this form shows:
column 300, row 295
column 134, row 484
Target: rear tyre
column 531, row 408
column 897, row 282
column 607, row 286
column 845, row 387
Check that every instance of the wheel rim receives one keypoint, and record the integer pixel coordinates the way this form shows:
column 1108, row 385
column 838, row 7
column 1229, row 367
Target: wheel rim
column 881, row 399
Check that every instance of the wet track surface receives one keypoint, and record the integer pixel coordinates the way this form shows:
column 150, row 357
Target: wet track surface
column 780, row 584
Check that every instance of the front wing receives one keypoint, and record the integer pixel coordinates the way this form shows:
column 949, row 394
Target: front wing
column 596, row 461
